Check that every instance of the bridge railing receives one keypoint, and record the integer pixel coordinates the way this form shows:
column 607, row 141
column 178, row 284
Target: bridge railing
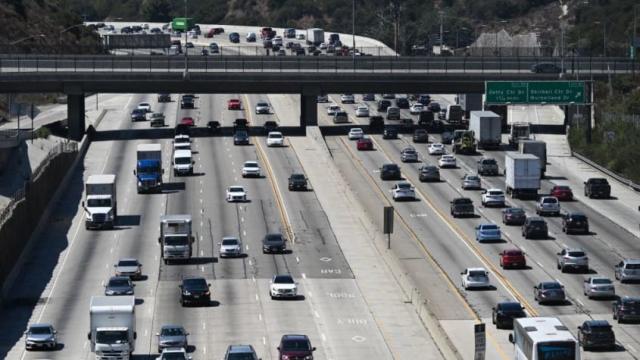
column 308, row 64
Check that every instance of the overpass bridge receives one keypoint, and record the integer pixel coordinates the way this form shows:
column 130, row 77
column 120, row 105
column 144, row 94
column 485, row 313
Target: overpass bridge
column 308, row 76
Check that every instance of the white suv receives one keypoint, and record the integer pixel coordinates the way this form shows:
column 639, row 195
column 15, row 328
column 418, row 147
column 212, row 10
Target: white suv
column 573, row 259
column 475, row 278
column 548, row 205
column 275, row 138
column 493, row 197
column 251, row 168
column 283, row 286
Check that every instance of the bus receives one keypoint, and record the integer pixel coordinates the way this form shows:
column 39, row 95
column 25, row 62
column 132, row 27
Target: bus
column 543, row 338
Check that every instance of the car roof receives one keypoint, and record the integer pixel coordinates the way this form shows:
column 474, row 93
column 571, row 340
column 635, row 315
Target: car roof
column 294, row 337
column 127, row 259
column 495, row 189
column 476, row 269
column 597, row 323
column 240, row 349
column 632, row 261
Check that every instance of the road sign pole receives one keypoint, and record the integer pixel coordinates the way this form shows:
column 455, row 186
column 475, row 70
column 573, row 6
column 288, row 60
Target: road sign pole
column 388, row 224
column 480, row 341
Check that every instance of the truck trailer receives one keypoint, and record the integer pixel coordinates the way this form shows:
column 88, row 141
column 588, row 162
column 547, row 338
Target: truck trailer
column 315, row 36
column 101, row 202
column 487, row 129
column 176, row 237
column 112, row 326
column 537, row 148
column 522, row 175
column 148, row 169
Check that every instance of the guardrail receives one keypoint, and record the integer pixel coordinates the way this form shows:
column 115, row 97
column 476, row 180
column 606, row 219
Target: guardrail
column 307, row 64
column 610, row 173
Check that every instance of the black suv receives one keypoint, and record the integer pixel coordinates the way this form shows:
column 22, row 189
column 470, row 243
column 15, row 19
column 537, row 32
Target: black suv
column 376, row 123
column 295, row 347
column 194, row 290
column 420, row 136
column 575, row 222
column 273, row 243
column 626, row 308
column 535, row 227
column 241, row 137
column 297, row 182
column 596, row 334
column 402, row 103
column 504, row 313
column 390, row 132
column 187, row 102
column 164, row 98
column 269, row 126
column 383, row 104
column 390, row 172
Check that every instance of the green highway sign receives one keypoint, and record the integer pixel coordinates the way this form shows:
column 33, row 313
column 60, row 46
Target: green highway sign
column 535, row 92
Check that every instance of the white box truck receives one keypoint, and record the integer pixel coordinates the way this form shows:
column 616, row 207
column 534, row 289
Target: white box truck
column 537, row 148
column 148, row 169
column 176, row 239
column 522, row 175
column 315, row 36
column 101, row 204
column 487, row 129
column 112, row 326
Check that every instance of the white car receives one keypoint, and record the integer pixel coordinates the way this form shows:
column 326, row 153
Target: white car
column 236, row 193
column 262, row 107
column 347, row 98
column 251, row 168
column 362, row 111
column 144, row 106
column 355, row 134
column 436, row 149
column 403, row 191
column 277, row 40
column 447, row 161
column 174, row 353
column 300, row 36
column 548, row 205
column 275, row 138
column 323, row 46
column 416, row 108
column 181, row 142
column 492, row 197
column 283, row 286
column 230, row 247
column 333, row 108
column 475, row 278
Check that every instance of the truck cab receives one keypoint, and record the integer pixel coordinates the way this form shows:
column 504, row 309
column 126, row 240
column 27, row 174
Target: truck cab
column 176, row 238
column 100, row 204
column 112, row 326
column 148, row 169
column 519, row 131
column 182, row 163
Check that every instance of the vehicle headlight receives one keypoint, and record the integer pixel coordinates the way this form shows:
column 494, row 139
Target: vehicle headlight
column 308, row 357
column 186, row 292
column 129, row 292
column 139, row 183
column 110, row 292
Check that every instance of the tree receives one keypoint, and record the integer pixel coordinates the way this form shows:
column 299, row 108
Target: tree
column 156, row 10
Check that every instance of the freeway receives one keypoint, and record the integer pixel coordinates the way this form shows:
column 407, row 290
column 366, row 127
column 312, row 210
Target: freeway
column 452, row 240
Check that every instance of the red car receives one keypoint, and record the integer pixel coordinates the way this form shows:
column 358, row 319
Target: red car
column 562, row 192
column 364, row 143
column 512, row 258
column 233, row 104
column 188, row 121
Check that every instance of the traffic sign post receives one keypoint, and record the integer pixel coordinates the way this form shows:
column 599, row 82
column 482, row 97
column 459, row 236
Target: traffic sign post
column 481, row 341
column 388, row 224
column 535, row 92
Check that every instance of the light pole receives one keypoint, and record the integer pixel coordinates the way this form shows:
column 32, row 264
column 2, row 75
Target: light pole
column 604, row 36
column 353, row 33
column 186, row 49
column 28, row 38
column 441, row 30
column 457, row 31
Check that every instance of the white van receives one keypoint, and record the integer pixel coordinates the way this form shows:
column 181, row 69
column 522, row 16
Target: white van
column 182, row 163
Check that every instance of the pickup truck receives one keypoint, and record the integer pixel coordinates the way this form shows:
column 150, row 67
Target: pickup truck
column 597, row 187
column 462, row 207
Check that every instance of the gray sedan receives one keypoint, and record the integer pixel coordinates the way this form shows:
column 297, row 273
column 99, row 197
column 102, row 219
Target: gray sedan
column 40, row 336
column 172, row 336
column 471, row 182
column 119, row 285
column 548, row 292
column 599, row 286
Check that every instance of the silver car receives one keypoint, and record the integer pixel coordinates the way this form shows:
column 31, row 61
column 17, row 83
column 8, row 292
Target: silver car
column 575, row 259
column 471, row 182
column 128, row 267
column 262, row 107
column 548, row 205
column 599, row 286
column 230, row 247
column 628, row 269
column 409, row 154
column 172, row 336
column 40, row 336
column 119, row 285
column 362, row 111
column 549, row 291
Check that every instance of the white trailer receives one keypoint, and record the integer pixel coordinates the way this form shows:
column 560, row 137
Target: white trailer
column 487, row 129
column 537, row 148
column 522, row 175
column 315, row 36
column 101, row 204
column 112, row 326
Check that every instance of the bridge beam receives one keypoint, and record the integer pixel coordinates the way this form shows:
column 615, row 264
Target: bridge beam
column 75, row 116
column 308, row 109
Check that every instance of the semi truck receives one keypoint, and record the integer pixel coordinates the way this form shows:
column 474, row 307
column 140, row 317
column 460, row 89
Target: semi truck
column 148, row 169
column 522, row 175
column 487, row 129
column 182, row 24
column 519, row 131
column 537, row 148
column 112, row 326
column 176, row 238
column 315, row 36
column 101, row 202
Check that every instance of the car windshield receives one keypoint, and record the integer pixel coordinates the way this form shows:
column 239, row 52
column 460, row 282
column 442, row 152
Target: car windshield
column 495, row 193
column 283, row 279
column 404, row 186
column 601, row 328
column 297, row 177
column 477, row 275
column 409, row 151
column 195, row 284
column 236, row 189
column 472, row 178
column 176, row 240
column 182, row 160
column 229, row 242
column 511, row 307
column 578, row 217
column 356, row 130
column 40, row 330
column 549, row 200
column 275, row 136
column 632, row 267
column 563, row 188
column 241, row 356
column 251, row 164
column 488, row 162
column 263, row 104
column 112, row 337
column 551, row 286
column 99, row 203
column 599, row 181
column 538, row 223
column 241, row 134
column 274, row 238
column 462, row 201
column 128, row 263
column 295, row 345
column 576, row 253
column 118, row 282
column 447, row 158
column 601, row 281
column 172, row 331
column 489, row 227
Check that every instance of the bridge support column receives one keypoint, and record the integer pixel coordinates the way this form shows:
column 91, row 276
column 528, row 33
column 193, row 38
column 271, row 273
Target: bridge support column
column 308, row 110
column 75, row 116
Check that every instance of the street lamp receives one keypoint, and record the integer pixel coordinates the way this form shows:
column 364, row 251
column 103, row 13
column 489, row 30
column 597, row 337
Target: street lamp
column 457, row 31
column 28, row 38
column 499, row 22
column 186, row 49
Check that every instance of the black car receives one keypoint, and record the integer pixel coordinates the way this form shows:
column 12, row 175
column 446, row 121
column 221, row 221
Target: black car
column 164, row 98
column 187, row 103
column 429, row 173
column 234, row 37
column 420, row 136
column 297, row 182
column 194, row 290
column 273, row 243
column 390, row 132
column 376, row 123
column 138, row 115
column 626, row 308
column 295, row 347
column 504, row 313
column 596, row 334
column 368, row 97
column 241, row 137
column 424, row 99
column 535, row 227
column 434, row 107
column 575, row 222
column 402, row 103
column 269, row 126
column 513, row 216
column 546, row 68
column 390, row 172
column 383, row 104
column 119, row 285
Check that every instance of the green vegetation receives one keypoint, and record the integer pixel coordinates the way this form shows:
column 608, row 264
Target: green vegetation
column 615, row 137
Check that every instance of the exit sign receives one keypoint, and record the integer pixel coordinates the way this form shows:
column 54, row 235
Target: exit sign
column 535, row 92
